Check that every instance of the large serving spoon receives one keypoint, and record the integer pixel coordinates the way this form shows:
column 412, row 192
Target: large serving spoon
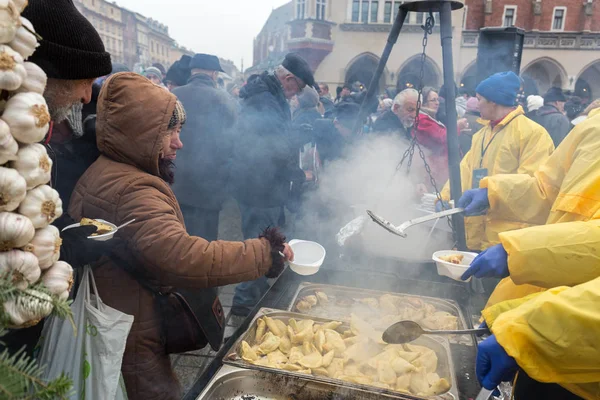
column 407, row 331
column 400, row 229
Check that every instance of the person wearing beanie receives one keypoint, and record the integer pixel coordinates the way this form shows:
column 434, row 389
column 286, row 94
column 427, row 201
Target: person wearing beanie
column 178, row 74
column 552, row 115
column 534, row 103
column 202, row 165
column 508, row 143
column 265, row 157
column 307, row 112
column 139, row 127
column 154, row 75
column 72, row 55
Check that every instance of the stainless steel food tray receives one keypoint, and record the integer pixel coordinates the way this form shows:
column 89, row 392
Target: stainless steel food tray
column 233, row 383
column 340, row 311
column 436, row 343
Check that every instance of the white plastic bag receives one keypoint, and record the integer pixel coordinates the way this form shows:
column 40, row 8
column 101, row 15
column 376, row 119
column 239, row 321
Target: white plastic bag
column 92, row 356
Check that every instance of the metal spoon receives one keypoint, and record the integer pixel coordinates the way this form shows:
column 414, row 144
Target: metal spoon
column 399, row 230
column 407, row 331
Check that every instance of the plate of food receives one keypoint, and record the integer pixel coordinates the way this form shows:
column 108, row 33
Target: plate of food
column 105, row 230
column 453, row 263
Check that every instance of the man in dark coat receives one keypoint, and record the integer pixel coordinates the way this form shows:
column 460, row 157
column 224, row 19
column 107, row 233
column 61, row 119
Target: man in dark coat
column 401, row 117
column 265, row 161
column 551, row 116
column 202, row 164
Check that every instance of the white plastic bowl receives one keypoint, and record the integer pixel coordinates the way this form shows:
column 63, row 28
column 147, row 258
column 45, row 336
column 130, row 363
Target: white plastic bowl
column 453, row 271
column 308, row 257
column 100, row 238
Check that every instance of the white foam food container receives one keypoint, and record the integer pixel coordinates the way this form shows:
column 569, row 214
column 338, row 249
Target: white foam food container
column 308, row 257
column 453, row 271
column 100, row 238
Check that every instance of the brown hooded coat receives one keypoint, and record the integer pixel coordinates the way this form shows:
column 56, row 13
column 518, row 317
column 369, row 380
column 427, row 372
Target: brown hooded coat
column 123, row 184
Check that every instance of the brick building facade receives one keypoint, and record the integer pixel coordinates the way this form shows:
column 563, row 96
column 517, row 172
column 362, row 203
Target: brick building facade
column 343, row 39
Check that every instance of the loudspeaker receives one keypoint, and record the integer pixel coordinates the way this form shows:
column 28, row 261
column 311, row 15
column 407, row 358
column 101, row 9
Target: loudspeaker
column 499, row 50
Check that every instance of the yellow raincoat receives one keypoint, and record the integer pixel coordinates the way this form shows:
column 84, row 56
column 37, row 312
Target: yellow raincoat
column 554, row 336
column 517, row 145
column 564, row 192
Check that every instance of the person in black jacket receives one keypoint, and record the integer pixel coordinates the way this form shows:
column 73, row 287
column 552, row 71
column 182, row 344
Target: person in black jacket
column 202, row 164
column 551, row 116
column 401, row 117
column 265, row 157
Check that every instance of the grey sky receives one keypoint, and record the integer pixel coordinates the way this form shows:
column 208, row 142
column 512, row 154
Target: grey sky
column 222, row 27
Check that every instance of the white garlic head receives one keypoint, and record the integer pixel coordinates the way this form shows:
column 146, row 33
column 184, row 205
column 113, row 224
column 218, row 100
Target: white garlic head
column 42, row 206
column 8, row 144
column 9, row 19
column 34, row 164
column 27, row 117
column 12, row 70
column 15, row 231
column 29, row 307
column 45, row 245
column 12, row 189
column 58, row 278
column 24, row 41
column 23, row 267
column 35, row 81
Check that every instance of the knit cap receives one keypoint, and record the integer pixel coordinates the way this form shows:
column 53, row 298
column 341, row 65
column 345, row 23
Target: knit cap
column 473, row 104
column 534, row 102
column 70, row 47
column 500, row 88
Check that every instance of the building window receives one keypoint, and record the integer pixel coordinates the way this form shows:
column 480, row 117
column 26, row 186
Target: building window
column 510, row 16
column 387, row 12
column 321, row 8
column 152, row 46
column 300, row 9
column 356, row 10
column 420, row 18
column 558, row 20
column 374, row 10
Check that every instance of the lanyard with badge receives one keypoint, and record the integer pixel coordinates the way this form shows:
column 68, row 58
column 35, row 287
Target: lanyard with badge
column 480, row 173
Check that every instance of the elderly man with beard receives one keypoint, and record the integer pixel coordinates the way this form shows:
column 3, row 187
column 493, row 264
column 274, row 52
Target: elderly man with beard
column 138, row 128
column 401, row 117
column 72, row 59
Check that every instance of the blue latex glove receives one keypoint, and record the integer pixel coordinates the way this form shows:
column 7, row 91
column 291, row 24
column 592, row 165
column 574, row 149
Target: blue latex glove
column 493, row 365
column 475, row 202
column 441, row 206
column 491, row 263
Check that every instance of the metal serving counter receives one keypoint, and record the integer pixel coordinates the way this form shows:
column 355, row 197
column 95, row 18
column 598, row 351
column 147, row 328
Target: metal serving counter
column 377, row 274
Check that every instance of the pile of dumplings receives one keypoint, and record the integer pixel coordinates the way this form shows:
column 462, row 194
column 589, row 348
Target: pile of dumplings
column 356, row 355
column 383, row 311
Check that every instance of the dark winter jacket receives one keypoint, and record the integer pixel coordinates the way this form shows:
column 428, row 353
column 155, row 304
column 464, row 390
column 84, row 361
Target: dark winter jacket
column 327, row 104
column 466, row 138
column 389, row 122
column 202, row 165
column 265, row 157
column 306, row 116
column 555, row 122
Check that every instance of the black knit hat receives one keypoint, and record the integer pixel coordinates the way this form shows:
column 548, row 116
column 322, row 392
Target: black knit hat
column 70, row 47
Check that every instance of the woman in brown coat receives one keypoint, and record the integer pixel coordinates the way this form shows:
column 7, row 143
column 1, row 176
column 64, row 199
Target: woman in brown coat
column 138, row 126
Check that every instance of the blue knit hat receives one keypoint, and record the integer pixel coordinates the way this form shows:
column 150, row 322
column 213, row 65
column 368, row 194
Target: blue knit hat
column 500, row 88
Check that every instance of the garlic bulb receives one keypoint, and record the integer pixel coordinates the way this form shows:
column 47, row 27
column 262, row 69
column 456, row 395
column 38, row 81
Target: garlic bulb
column 9, row 20
column 20, row 5
column 12, row 70
column 35, row 81
column 15, row 231
column 45, row 246
column 12, row 189
column 33, row 164
column 58, row 278
column 42, row 206
column 24, row 41
column 64, row 295
column 8, row 144
column 27, row 117
column 23, row 265
column 29, row 307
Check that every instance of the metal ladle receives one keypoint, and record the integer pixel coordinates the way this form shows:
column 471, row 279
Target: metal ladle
column 407, row 331
column 399, row 230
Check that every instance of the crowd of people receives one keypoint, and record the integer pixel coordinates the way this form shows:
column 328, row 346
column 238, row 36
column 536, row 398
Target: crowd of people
column 531, row 160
